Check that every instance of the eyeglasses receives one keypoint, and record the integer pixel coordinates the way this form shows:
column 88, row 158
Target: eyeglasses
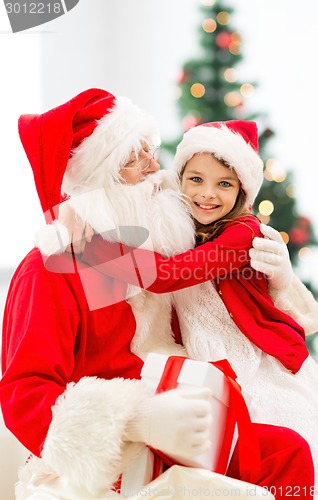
column 142, row 165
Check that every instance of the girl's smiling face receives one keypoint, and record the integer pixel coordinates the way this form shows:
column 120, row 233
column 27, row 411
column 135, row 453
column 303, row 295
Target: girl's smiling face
column 212, row 187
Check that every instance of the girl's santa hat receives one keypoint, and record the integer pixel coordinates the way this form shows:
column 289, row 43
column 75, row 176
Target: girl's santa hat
column 78, row 147
column 235, row 142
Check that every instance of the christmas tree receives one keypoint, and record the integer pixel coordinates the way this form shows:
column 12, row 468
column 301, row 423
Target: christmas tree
column 210, row 90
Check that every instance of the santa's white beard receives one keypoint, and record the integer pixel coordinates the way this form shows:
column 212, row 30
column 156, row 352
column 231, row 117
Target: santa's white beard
column 151, row 215
column 146, row 215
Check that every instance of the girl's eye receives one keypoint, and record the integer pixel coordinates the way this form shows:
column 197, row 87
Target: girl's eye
column 196, row 179
column 224, row 184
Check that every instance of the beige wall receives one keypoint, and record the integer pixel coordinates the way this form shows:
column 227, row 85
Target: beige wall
column 12, row 453
column 12, row 456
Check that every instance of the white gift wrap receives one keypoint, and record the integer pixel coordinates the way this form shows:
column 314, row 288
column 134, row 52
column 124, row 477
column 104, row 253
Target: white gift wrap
column 138, row 475
column 179, row 483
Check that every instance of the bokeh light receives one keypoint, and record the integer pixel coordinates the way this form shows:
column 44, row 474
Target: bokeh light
column 266, row 207
column 190, row 121
column 233, row 99
column 223, row 39
column 285, row 236
column 290, row 191
column 223, row 18
column 197, row 90
column 178, row 93
column 305, row 253
column 230, row 75
column 209, row 25
column 246, row 89
column 263, row 218
column 235, row 44
column 273, row 171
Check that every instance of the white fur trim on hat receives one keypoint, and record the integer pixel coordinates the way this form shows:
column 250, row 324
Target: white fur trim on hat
column 52, row 238
column 96, row 161
column 228, row 146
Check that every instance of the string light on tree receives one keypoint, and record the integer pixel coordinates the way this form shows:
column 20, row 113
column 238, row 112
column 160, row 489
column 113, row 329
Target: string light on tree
column 290, row 191
column 299, row 236
column 223, row 40
column 280, row 176
column 266, row 207
column 218, row 95
column 235, row 48
column 304, row 254
column 230, row 75
column 209, row 25
column 304, row 221
column 232, row 99
column 273, row 171
column 265, row 219
column 197, row 90
column 183, row 77
column 300, row 233
column 223, row 18
column 246, row 89
column 285, row 237
column 178, row 93
column 190, row 121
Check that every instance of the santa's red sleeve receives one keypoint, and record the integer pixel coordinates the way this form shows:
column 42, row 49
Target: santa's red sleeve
column 74, row 425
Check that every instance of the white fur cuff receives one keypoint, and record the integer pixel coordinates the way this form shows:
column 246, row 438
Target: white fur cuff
column 84, row 441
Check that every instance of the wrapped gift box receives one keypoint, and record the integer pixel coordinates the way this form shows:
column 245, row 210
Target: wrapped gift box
column 199, row 374
column 229, row 412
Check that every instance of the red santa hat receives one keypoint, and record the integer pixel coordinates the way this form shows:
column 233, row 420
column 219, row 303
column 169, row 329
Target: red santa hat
column 235, row 142
column 80, row 146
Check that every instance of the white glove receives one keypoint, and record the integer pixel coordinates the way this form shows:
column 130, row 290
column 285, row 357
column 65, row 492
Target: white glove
column 174, row 422
column 270, row 256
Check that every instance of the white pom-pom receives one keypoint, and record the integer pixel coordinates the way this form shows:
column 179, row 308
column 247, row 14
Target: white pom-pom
column 52, row 238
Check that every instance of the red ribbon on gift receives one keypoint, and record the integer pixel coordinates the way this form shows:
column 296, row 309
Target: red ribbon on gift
column 238, row 414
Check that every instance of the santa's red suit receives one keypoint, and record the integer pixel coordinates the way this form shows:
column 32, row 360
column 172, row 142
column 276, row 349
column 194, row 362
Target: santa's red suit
column 70, row 381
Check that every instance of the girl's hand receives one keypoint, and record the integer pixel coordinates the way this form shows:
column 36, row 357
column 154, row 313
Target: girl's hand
column 80, row 232
column 270, row 256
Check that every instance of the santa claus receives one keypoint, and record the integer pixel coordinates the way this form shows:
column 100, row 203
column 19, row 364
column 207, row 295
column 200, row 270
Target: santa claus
column 74, row 341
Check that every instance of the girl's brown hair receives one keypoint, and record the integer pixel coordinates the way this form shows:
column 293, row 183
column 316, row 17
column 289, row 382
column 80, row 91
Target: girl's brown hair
column 210, row 231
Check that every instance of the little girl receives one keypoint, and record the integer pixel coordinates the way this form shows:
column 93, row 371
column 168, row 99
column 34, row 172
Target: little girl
column 229, row 313
column 221, row 177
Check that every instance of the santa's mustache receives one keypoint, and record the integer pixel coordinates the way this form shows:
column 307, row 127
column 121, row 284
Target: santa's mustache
column 154, row 208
